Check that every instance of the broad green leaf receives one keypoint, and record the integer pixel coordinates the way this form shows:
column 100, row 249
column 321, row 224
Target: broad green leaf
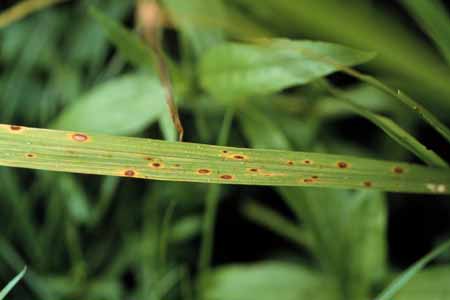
column 125, row 105
column 402, row 55
column 5, row 291
column 431, row 283
column 267, row 281
column 201, row 21
column 412, row 271
column 237, row 70
column 161, row 160
column 434, row 19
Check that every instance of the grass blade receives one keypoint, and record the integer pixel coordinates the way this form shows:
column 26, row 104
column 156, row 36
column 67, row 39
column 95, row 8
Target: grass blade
column 432, row 16
column 23, row 9
column 66, row 151
column 397, row 133
column 4, row 292
column 401, row 281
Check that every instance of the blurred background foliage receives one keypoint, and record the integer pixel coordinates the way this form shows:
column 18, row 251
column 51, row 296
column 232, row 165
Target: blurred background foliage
column 90, row 237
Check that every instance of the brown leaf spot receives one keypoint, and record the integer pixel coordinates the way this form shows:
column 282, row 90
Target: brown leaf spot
column 307, row 162
column 308, row 180
column 367, row 184
column 398, row 170
column 254, row 170
column 226, row 177
column 290, row 163
column 342, row 165
column 31, row 155
column 224, row 151
column 129, row 173
column 315, row 177
column 156, row 165
column 176, row 165
column 15, row 127
column 79, row 137
column 239, row 157
column 203, row 171
column 149, row 158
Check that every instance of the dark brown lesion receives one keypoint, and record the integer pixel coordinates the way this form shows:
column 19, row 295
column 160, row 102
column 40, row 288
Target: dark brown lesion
column 204, row 171
column 227, row 177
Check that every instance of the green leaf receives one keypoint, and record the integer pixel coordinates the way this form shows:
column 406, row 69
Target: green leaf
column 434, row 19
column 200, row 21
column 4, row 292
column 128, row 43
column 407, row 275
column 161, row 160
column 267, row 281
column 397, row 133
column 431, row 283
column 125, row 105
column 236, row 70
column 345, row 230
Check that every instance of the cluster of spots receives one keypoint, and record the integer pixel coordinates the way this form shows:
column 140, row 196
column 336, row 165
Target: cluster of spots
column 312, row 179
column 129, row 173
column 436, row 188
column 30, row 155
column 79, row 137
column 233, row 156
column 204, row 171
column 226, row 177
column 398, row 170
column 342, row 165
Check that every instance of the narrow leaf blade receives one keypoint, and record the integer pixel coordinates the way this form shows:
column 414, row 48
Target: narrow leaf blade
column 161, row 160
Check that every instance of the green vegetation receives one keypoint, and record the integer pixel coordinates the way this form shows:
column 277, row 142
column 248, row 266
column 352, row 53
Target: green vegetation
column 278, row 123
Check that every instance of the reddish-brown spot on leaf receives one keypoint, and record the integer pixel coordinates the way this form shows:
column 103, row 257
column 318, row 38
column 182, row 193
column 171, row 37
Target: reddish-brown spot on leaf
column 149, row 158
column 226, row 177
column 367, row 184
column 156, row 165
column 307, row 162
column 315, row 177
column 342, row 165
column 308, row 180
column 398, row 170
column 79, row 137
column 30, row 155
column 15, row 127
column 253, row 170
column 224, row 151
column 203, row 171
column 239, row 156
column 290, row 163
column 129, row 173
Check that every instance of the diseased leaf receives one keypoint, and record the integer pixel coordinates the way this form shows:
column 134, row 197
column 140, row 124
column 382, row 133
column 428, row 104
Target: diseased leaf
column 124, row 105
column 154, row 159
column 237, row 70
